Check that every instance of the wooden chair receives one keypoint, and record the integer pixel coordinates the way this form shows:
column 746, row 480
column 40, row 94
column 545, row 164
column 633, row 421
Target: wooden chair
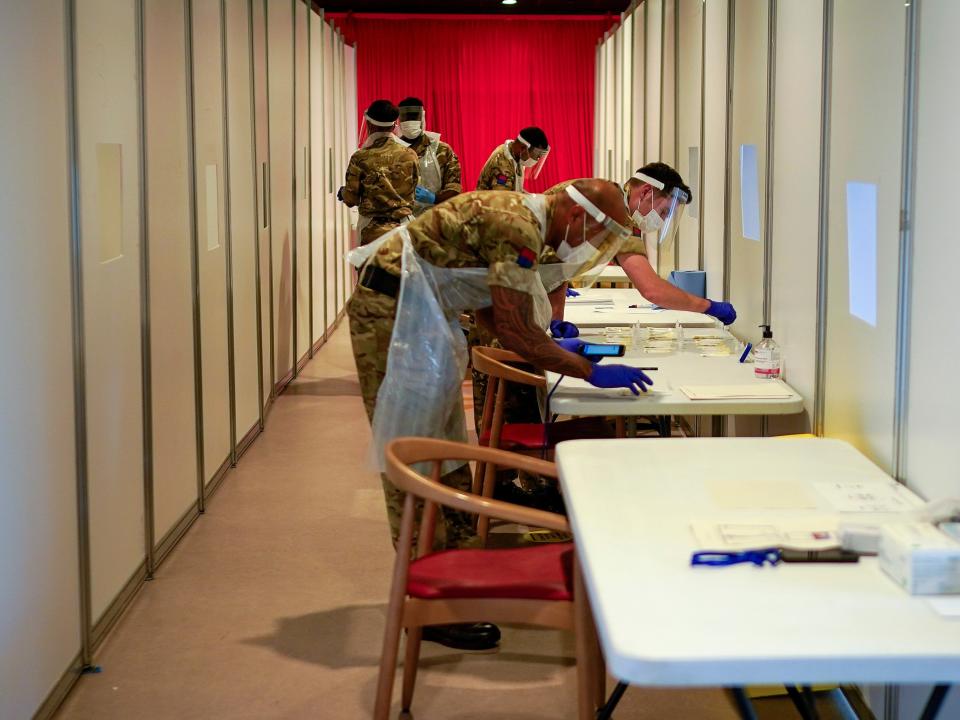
column 532, row 439
column 537, row 585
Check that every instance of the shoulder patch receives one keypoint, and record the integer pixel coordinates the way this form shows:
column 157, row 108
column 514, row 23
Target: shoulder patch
column 526, row 258
column 501, row 179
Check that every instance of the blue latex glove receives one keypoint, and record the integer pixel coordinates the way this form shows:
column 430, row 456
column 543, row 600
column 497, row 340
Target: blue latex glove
column 572, row 293
column 425, row 196
column 563, row 329
column 570, row 344
column 722, row 311
column 615, row 376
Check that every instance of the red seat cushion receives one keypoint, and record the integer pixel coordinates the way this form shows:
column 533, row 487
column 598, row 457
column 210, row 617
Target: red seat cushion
column 542, row 572
column 526, row 435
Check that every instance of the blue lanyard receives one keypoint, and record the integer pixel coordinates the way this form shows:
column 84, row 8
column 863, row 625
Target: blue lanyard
column 766, row 556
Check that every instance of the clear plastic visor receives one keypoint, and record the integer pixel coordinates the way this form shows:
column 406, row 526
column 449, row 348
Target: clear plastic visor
column 669, row 204
column 371, row 129
column 538, row 154
column 602, row 232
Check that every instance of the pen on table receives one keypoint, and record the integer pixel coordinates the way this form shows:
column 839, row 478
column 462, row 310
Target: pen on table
column 746, row 351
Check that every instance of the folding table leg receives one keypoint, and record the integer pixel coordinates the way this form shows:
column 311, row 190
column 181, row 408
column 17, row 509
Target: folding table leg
column 803, row 703
column 937, row 696
column 606, row 712
column 743, row 704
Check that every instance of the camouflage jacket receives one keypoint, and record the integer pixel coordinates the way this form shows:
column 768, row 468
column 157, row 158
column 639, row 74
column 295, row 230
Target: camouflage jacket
column 477, row 229
column 501, row 171
column 634, row 245
column 381, row 180
column 447, row 161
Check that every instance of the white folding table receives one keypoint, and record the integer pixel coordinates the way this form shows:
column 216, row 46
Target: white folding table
column 662, row 622
column 585, row 311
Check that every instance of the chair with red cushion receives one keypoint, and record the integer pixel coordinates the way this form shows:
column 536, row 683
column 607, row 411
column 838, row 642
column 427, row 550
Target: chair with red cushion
column 537, row 585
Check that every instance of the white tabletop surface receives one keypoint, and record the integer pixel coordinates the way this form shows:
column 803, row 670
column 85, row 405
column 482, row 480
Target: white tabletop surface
column 613, row 273
column 583, row 313
column 577, row 397
column 663, row 622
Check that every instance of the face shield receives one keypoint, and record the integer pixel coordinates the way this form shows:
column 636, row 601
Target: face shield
column 534, row 164
column 372, row 129
column 412, row 121
column 601, row 238
column 666, row 209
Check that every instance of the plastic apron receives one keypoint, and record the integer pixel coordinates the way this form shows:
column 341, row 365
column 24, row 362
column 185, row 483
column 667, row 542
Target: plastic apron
column 431, row 176
column 421, row 393
column 364, row 220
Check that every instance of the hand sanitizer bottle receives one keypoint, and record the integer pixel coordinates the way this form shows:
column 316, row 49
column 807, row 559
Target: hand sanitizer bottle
column 766, row 357
column 678, row 334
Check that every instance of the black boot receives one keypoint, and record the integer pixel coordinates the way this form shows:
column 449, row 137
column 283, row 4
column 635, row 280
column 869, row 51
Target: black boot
column 464, row 636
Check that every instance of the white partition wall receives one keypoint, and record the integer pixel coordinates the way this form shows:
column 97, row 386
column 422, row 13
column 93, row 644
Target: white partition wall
column 339, row 168
column 109, row 169
column 243, row 218
column 169, row 225
column 689, row 124
column 351, row 114
column 638, row 103
column 668, row 115
column 865, row 146
column 335, row 179
column 713, row 208
column 653, row 14
column 343, row 281
column 320, row 178
column 280, row 84
column 262, row 123
column 796, row 196
column 212, row 238
column 301, row 183
column 40, row 598
column 748, row 165
column 610, row 106
column 625, row 167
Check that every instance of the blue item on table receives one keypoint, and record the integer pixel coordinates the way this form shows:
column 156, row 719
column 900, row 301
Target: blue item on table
column 722, row 311
column 616, row 376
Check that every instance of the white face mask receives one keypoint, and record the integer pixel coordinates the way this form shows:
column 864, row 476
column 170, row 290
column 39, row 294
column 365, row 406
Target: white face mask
column 528, row 163
column 635, row 215
column 411, row 128
column 651, row 222
column 578, row 255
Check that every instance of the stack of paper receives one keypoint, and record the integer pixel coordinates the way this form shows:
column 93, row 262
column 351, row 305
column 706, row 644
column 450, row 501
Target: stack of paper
column 589, row 301
column 760, row 390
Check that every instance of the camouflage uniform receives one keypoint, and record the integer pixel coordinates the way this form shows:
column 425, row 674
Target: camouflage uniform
column 475, row 229
column 439, row 167
column 380, row 183
column 501, row 171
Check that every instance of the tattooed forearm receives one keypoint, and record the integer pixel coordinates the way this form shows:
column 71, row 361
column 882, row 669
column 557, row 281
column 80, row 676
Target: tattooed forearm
column 513, row 320
column 558, row 301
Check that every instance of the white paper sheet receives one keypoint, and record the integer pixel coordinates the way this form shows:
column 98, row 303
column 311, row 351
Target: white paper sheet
column 762, row 389
column 801, row 534
column 851, row 496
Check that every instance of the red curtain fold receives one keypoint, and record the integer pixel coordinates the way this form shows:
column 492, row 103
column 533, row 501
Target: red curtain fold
column 483, row 78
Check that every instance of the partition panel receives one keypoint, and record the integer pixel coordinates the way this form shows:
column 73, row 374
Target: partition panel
column 625, row 91
column 243, row 212
column 334, row 178
column 340, row 162
column 748, row 165
column 39, row 599
column 211, row 234
column 319, row 175
column 350, row 112
column 262, row 124
column 653, row 67
column 864, row 220
column 796, row 192
column 689, row 123
column 110, row 217
column 597, row 101
column 714, row 155
column 171, row 291
column 302, row 179
column 638, row 103
column 344, row 280
column 610, row 110
column 932, row 421
column 668, row 113
column 280, row 84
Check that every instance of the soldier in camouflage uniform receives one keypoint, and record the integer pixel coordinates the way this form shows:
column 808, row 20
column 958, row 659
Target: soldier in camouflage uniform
column 499, row 232
column 439, row 165
column 506, row 167
column 641, row 198
column 382, row 175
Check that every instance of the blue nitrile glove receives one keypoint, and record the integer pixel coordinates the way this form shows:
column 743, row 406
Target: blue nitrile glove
column 722, row 311
column 572, row 293
column 425, row 196
column 570, row 344
column 563, row 329
column 615, row 376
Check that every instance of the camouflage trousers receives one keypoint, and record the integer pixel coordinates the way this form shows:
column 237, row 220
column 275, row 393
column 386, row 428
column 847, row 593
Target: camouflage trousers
column 371, row 327
column 376, row 228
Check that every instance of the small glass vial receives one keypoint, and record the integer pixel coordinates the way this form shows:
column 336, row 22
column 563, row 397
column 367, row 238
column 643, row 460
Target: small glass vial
column 766, row 357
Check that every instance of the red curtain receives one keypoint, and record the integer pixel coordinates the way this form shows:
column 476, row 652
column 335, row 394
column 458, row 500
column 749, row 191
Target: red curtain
column 483, row 78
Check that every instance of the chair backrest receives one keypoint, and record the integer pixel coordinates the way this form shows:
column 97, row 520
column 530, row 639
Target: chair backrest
column 401, row 453
column 493, row 362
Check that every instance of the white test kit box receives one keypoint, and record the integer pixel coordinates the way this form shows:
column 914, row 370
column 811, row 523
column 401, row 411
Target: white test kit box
column 920, row 558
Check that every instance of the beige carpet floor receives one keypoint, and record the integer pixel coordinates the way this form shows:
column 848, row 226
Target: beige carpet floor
column 273, row 605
